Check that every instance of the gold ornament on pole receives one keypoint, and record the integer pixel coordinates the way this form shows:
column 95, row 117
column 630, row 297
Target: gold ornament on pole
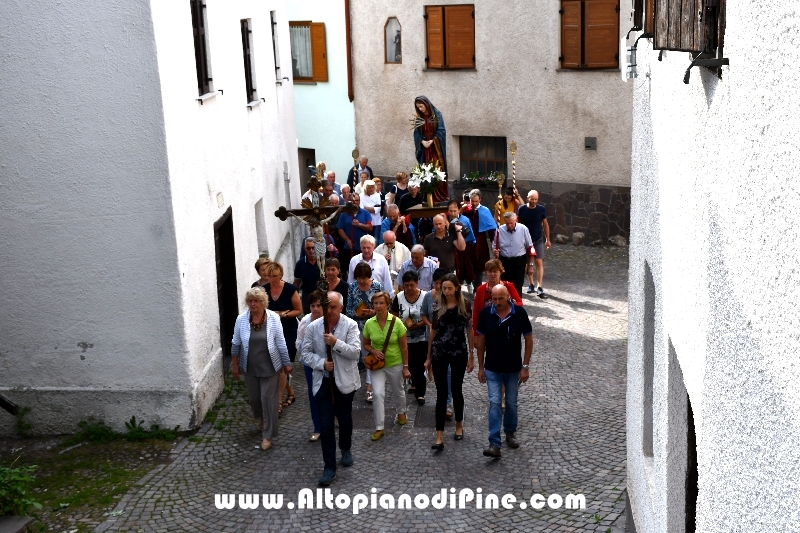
column 354, row 155
column 501, row 179
column 513, row 147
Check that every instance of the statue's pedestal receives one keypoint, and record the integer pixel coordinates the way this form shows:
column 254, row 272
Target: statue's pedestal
column 423, row 211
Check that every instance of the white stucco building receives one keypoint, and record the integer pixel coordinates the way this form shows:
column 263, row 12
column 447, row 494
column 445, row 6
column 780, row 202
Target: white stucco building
column 495, row 71
column 137, row 197
column 324, row 112
column 713, row 371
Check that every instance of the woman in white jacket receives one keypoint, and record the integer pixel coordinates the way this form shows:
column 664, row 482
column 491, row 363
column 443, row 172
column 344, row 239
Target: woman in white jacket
column 259, row 351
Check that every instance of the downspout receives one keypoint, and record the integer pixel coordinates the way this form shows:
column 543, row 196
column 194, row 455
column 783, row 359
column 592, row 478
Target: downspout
column 349, row 50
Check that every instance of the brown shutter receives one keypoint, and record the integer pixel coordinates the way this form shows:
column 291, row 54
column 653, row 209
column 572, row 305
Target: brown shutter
column 570, row 34
column 319, row 52
column 435, row 34
column 649, row 17
column 601, row 34
column 459, row 24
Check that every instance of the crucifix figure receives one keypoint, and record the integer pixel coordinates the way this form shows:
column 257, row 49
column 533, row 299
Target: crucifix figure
column 315, row 213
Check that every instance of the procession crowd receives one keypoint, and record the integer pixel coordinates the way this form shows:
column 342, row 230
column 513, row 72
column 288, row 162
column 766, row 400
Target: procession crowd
column 406, row 304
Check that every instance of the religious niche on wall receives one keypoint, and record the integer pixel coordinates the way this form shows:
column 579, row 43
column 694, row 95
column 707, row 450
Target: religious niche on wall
column 393, row 40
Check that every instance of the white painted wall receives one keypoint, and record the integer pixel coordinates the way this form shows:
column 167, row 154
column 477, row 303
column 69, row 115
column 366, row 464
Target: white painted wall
column 223, row 148
column 714, row 213
column 324, row 114
column 110, row 172
column 515, row 92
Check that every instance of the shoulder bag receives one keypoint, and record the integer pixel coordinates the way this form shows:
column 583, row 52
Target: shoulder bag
column 371, row 361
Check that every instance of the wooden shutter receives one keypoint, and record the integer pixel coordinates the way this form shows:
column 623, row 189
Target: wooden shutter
column 649, row 17
column 571, row 34
column 434, row 29
column 319, row 52
column 601, row 34
column 200, row 50
column 459, row 33
column 638, row 11
column 248, row 65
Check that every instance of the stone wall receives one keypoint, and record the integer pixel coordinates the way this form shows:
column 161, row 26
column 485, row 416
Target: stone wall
column 597, row 211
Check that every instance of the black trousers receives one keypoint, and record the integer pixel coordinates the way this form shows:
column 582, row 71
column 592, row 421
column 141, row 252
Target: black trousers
column 341, row 408
column 417, row 354
column 458, row 367
column 514, row 270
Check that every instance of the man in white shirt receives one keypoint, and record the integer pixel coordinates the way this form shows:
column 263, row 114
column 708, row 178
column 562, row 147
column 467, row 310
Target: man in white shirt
column 378, row 264
column 371, row 202
column 396, row 253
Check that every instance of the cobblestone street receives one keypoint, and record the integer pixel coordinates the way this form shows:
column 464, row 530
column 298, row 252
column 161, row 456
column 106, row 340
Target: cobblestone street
column 571, row 429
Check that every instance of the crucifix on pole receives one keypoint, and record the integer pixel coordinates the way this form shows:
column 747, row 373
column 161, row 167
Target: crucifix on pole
column 315, row 213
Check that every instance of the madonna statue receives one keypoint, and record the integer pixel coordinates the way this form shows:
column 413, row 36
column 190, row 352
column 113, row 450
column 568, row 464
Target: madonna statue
column 430, row 139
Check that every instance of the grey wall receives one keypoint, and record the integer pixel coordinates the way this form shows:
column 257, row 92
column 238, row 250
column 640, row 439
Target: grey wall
column 516, row 91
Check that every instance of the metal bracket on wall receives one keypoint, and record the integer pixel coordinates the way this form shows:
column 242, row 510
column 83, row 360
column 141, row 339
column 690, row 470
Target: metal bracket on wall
column 705, row 60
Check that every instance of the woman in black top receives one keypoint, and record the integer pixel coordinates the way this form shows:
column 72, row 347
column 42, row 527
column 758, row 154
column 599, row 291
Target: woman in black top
column 398, row 190
column 450, row 345
column 332, row 272
column 285, row 301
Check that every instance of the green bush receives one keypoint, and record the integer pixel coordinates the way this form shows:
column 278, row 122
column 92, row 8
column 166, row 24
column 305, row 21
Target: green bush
column 14, row 485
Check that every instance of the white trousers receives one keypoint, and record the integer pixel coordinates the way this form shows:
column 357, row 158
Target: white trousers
column 394, row 375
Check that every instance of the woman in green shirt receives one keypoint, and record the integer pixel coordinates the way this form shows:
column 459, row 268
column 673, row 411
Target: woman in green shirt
column 375, row 332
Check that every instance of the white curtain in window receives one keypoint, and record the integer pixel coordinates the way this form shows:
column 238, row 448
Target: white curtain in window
column 300, row 37
column 393, row 54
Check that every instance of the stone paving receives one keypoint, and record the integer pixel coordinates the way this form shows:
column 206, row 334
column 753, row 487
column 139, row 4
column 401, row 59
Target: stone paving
column 572, row 431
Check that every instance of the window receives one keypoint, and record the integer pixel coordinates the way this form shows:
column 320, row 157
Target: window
column 249, row 73
column 589, row 34
column 309, row 53
column 483, row 154
column 201, row 46
column 393, row 48
column 450, row 32
column 275, row 54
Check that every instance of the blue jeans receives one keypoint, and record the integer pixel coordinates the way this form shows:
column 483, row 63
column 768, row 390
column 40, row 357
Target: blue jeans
column 495, row 381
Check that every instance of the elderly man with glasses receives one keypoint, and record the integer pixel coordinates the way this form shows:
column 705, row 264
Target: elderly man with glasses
column 351, row 229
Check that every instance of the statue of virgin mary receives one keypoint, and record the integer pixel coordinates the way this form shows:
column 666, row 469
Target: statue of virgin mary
column 430, row 140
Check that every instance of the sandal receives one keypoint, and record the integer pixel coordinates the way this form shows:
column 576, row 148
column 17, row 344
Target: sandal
column 288, row 401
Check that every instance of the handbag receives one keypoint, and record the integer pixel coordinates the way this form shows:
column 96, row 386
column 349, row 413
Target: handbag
column 371, row 361
column 531, row 251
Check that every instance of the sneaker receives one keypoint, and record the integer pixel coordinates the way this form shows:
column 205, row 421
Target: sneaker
column 540, row 292
column 531, row 290
column 347, row 458
column 511, row 440
column 377, row 435
column 492, row 451
column 401, row 419
column 328, row 475
column 369, row 396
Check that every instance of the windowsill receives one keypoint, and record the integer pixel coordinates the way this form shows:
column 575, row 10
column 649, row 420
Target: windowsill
column 296, row 82
column 253, row 104
column 205, row 97
column 449, row 70
column 588, row 70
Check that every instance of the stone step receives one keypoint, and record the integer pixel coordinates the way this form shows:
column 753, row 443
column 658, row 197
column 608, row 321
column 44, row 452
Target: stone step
column 14, row 524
